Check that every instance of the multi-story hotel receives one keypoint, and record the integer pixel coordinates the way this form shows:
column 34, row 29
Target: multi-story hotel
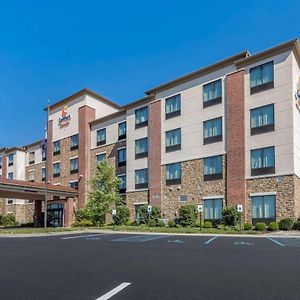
column 225, row 135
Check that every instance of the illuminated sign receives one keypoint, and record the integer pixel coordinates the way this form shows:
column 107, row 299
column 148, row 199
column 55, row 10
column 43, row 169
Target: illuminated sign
column 65, row 118
column 297, row 94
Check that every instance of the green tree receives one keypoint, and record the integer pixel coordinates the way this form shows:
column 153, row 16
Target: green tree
column 104, row 193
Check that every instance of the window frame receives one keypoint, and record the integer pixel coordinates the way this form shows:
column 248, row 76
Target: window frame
column 141, row 154
column 214, row 219
column 213, row 176
column 122, row 190
column 263, row 86
column 216, row 100
column 173, row 181
column 31, row 161
column 214, row 138
column 74, row 171
column 56, row 152
column 262, row 170
column 101, row 142
column 98, row 154
column 175, row 113
column 143, row 185
column 263, row 219
column 175, row 147
column 143, row 123
column 123, row 162
column 55, row 175
column 11, row 158
column 74, row 146
column 264, row 128
column 124, row 135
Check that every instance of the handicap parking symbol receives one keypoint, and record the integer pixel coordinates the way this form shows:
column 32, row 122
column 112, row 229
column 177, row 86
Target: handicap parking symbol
column 244, row 243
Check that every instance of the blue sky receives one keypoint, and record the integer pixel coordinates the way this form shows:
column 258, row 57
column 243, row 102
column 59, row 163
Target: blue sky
column 50, row 49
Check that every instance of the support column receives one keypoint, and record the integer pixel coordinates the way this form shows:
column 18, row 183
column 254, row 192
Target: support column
column 4, row 166
column 86, row 114
column 154, row 160
column 38, row 218
column 50, row 151
column 235, row 122
column 68, row 212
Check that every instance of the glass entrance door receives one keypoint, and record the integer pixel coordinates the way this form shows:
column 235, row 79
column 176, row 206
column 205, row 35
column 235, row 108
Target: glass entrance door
column 55, row 215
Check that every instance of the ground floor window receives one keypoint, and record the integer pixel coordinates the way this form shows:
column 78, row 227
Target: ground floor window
column 213, row 209
column 263, row 207
column 55, row 215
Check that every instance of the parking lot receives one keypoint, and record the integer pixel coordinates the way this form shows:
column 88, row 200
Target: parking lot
column 149, row 266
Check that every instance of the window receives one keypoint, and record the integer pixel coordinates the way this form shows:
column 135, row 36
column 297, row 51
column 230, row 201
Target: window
column 43, row 174
column 1, row 161
column 10, row 201
column 141, row 117
column 263, row 161
column 56, row 169
column 141, row 179
column 212, row 131
column 212, row 93
column 74, row 165
column 122, row 131
column 56, row 148
column 43, row 154
column 262, row 77
column 74, row 184
column 213, row 168
column 101, row 137
column 173, row 140
column 122, row 157
column 173, row 174
column 262, row 119
column 141, row 148
column 11, row 159
column 213, row 209
column 31, row 158
column 173, row 106
column 122, row 184
column 263, row 207
column 31, row 176
column 100, row 157
column 10, row 175
column 74, row 142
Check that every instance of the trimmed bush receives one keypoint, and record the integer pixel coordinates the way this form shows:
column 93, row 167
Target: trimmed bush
column 260, row 226
column 160, row 223
column 230, row 216
column 131, row 223
column 247, row 226
column 81, row 214
column 188, row 215
column 207, row 224
column 297, row 224
column 286, row 224
column 171, row 223
column 82, row 223
column 273, row 226
column 155, row 214
column 8, row 220
column 152, row 223
column 122, row 216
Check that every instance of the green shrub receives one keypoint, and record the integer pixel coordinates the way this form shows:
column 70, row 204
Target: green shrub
column 122, row 216
column 81, row 214
column 230, row 216
column 273, row 226
column 198, row 223
column 207, row 224
column 260, row 226
column 8, row 220
column 286, row 224
column 188, row 215
column 155, row 214
column 247, row 226
column 131, row 223
column 152, row 223
column 297, row 224
column 160, row 223
column 171, row 223
column 82, row 223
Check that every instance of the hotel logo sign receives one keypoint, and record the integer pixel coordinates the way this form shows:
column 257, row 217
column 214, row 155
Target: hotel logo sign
column 65, row 118
column 297, row 94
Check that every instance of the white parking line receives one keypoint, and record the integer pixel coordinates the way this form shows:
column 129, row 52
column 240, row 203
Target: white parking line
column 114, row 291
column 276, row 242
column 82, row 236
column 210, row 240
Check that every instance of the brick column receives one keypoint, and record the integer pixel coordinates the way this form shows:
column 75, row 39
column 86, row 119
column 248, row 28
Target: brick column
column 235, row 123
column 86, row 114
column 4, row 166
column 68, row 212
column 50, row 151
column 38, row 213
column 154, row 159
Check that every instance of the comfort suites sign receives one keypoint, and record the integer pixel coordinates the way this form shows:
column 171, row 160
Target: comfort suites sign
column 65, row 117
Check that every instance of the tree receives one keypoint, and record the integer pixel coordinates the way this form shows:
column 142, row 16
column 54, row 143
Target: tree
column 104, row 193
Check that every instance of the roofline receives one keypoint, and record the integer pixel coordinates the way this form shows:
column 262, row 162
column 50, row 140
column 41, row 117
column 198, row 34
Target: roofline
column 32, row 144
column 289, row 45
column 200, row 72
column 108, row 117
column 80, row 93
column 144, row 100
column 15, row 149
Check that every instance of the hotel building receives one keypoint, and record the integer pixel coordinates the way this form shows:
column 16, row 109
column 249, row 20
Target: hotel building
column 225, row 135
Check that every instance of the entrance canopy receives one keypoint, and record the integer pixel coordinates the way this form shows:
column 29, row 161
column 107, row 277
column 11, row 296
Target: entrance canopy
column 19, row 189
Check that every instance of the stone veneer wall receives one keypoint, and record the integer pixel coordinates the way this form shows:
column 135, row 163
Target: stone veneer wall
column 287, row 194
column 37, row 171
column 192, row 185
column 64, row 158
column 23, row 213
column 135, row 197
